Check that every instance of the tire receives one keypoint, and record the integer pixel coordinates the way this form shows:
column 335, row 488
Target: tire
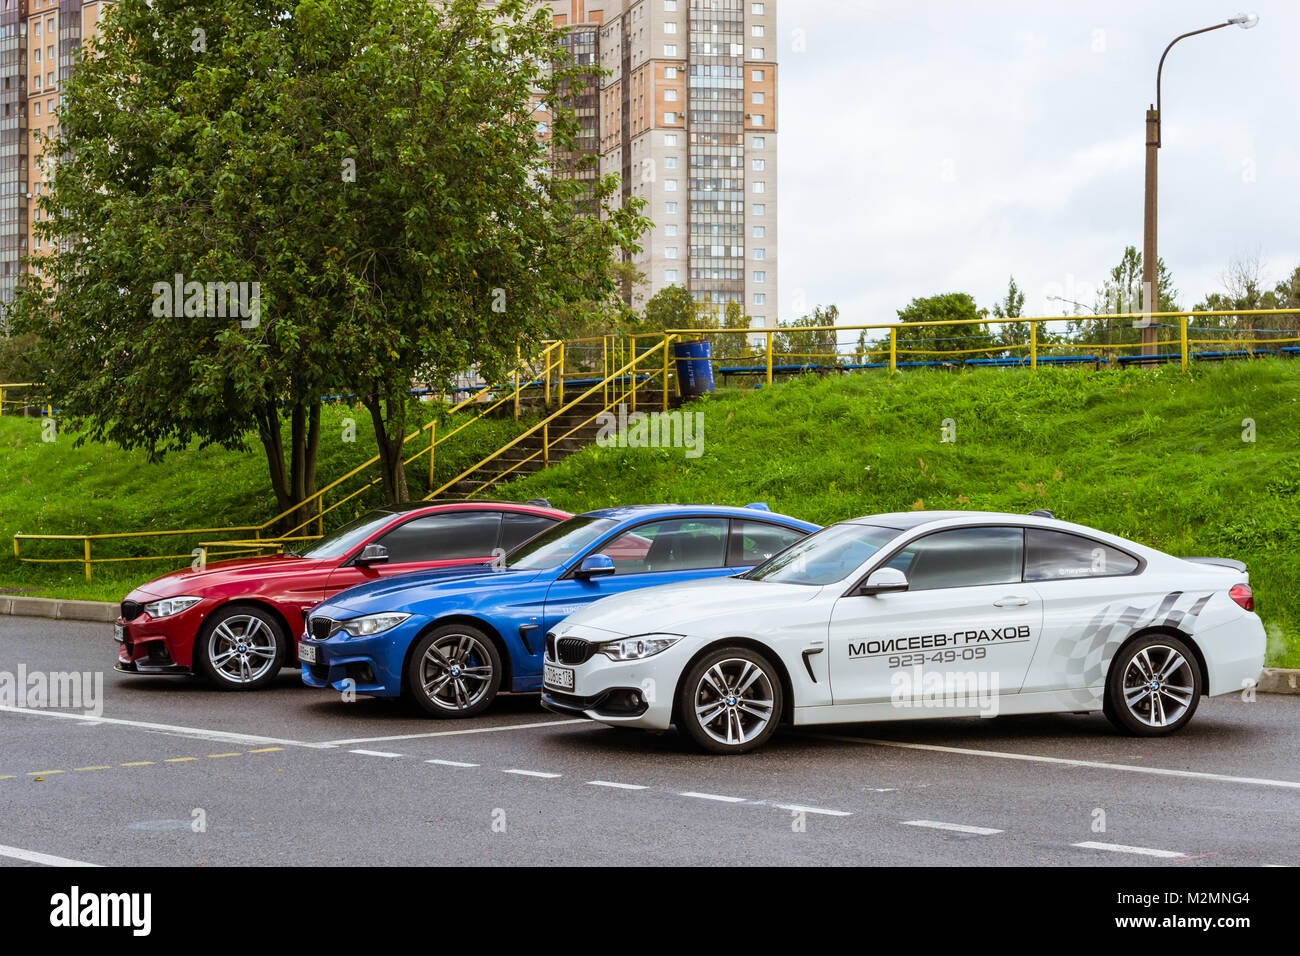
column 454, row 671
column 1153, row 687
column 731, row 701
column 240, row 648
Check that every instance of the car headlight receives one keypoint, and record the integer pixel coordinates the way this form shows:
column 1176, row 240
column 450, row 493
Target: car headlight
column 169, row 606
column 371, row 624
column 636, row 648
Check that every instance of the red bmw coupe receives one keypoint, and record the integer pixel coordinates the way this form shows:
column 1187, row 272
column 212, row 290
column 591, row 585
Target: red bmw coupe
column 234, row 622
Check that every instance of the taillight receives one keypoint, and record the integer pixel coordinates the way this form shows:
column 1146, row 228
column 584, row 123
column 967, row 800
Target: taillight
column 1242, row 594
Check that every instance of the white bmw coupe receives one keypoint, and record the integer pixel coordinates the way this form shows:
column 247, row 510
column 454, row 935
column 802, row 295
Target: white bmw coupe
column 916, row 614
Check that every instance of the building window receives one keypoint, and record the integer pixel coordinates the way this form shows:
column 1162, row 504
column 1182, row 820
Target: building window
column 670, row 276
column 758, row 76
column 670, row 139
column 670, row 96
column 670, row 186
column 758, row 98
column 759, row 119
column 670, row 231
column 758, row 142
column 760, row 232
column 757, row 9
column 670, row 27
column 670, row 118
column 670, row 6
column 760, row 276
column 760, row 298
column 760, row 253
column 759, row 187
column 670, row 49
column 37, row 108
column 757, row 53
column 670, row 209
column 760, row 209
column 758, row 165
column 670, row 252
column 757, row 30
column 670, row 162
column 670, row 73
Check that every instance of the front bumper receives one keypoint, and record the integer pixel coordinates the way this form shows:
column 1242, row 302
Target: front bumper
column 620, row 693
column 364, row 665
column 161, row 645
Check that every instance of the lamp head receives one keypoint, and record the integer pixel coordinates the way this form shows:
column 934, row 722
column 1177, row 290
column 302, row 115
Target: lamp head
column 1245, row 20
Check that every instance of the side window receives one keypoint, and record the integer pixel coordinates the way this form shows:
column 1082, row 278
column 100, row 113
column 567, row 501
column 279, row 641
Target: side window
column 962, row 558
column 445, row 537
column 517, row 528
column 1059, row 556
column 678, row 544
column 753, row 542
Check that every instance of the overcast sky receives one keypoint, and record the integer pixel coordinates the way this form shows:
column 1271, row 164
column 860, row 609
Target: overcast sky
column 942, row 146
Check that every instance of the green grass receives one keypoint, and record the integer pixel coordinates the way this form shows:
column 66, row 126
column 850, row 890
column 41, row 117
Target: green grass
column 1156, row 456
column 60, row 487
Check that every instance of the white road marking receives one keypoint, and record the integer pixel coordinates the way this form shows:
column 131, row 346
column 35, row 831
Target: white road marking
column 451, row 763
column 955, row 827
column 798, row 808
column 31, row 856
column 712, row 796
column 1120, row 848
column 616, row 786
column 373, row 753
column 197, row 732
column 450, row 733
column 534, row 773
column 1064, row 761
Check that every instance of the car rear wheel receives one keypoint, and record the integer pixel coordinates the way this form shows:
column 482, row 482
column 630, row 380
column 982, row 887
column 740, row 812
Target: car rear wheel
column 240, row 648
column 454, row 671
column 1153, row 686
column 730, row 701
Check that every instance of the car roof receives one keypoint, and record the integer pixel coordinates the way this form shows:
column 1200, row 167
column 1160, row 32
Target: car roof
column 408, row 506
column 907, row 520
column 630, row 512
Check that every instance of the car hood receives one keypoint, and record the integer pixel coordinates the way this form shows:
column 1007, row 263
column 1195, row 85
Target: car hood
column 674, row 608
column 189, row 581
column 409, row 592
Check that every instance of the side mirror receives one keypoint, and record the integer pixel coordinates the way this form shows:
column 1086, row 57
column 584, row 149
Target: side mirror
column 883, row 580
column 594, row 566
column 372, row 554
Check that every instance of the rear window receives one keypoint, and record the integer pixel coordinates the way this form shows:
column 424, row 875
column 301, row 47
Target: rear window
column 1060, row 556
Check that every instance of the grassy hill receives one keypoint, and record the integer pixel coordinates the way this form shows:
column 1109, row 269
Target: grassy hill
column 62, row 488
column 1157, row 456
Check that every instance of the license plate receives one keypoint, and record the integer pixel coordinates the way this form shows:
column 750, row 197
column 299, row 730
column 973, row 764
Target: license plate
column 119, row 633
column 307, row 653
column 561, row 677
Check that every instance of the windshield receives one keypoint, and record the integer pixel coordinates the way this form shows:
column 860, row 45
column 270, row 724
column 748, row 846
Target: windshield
column 553, row 547
column 346, row 537
column 828, row 556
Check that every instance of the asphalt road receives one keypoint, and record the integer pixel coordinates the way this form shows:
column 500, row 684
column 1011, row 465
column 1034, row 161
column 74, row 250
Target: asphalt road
column 175, row 773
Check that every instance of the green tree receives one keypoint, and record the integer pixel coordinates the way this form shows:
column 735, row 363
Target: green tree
column 798, row 343
column 1011, row 306
column 928, row 343
column 672, row 307
column 373, row 164
column 1122, row 295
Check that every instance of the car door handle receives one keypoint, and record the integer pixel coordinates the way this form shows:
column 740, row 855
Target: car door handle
column 1011, row 601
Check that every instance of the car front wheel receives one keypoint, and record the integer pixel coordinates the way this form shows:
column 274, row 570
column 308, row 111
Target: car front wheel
column 730, row 701
column 1153, row 686
column 240, row 648
column 454, row 671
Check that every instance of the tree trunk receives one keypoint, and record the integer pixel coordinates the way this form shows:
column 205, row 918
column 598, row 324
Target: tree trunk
column 390, row 434
column 268, row 431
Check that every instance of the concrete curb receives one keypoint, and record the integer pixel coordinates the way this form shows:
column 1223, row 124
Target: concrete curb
column 1274, row 680
column 101, row 611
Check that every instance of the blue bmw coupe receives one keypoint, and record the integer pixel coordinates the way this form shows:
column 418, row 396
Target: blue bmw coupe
column 453, row 639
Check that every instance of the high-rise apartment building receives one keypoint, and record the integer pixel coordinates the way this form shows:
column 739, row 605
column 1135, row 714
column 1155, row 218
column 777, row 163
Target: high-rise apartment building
column 39, row 42
column 686, row 114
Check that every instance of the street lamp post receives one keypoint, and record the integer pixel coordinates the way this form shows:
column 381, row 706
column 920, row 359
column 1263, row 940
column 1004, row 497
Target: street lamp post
column 1150, row 292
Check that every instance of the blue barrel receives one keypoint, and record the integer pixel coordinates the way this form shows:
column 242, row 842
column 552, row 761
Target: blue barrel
column 694, row 368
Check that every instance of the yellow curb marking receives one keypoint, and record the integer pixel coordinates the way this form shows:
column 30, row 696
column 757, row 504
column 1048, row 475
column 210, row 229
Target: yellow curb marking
column 105, row 767
column 266, row 750
column 222, row 755
column 179, row 759
column 42, row 773
column 137, row 763
column 140, row 763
